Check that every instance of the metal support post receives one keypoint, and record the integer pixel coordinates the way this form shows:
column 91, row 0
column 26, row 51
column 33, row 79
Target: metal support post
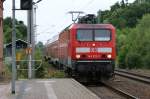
column 29, row 44
column 33, row 41
column 13, row 49
column 99, row 17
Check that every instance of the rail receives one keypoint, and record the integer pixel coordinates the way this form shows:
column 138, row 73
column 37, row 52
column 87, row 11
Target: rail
column 120, row 92
column 137, row 77
column 135, row 74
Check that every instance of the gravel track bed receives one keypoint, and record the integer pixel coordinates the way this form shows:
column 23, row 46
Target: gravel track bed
column 138, row 89
column 105, row 93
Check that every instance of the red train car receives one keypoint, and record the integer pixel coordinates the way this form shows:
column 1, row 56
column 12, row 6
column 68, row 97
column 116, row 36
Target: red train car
column 51, row 50
column 86, row 50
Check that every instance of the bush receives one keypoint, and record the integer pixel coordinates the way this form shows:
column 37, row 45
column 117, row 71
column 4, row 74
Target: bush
column 6, row 73
column 146, row 60
column 133, row 60
column 41, row 72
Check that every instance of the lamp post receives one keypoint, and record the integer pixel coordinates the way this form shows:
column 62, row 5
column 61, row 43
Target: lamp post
column 29, row 32
column 13, row 48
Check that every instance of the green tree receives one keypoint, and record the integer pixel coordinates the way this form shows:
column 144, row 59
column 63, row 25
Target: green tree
column 21, row 30
column 42, row 71
column 136, row 45
column 124, row 15
column 115, row 6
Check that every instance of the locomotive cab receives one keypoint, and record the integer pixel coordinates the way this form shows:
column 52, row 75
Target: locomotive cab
column 93, row 53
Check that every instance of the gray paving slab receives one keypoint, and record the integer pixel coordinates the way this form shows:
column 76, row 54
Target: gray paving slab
column 4, row 91
column 50, row 89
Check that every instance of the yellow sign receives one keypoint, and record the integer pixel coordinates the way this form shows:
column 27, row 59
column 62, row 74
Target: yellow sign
column 28, row 50
column 18, row 56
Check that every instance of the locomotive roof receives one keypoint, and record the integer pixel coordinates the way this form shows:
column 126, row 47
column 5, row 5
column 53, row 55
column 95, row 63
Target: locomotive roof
column 81, row 26
column 91, row 26
column 53, row 39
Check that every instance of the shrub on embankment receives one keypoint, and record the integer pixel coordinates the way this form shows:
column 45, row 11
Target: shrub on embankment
column 134, row 45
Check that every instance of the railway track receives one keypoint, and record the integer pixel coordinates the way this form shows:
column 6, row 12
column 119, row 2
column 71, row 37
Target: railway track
column 134, row 76
column 111, row 89
column 119, row 91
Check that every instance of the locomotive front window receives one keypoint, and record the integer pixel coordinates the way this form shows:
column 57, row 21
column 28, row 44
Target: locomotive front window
column 85, row 35
column 102, row 35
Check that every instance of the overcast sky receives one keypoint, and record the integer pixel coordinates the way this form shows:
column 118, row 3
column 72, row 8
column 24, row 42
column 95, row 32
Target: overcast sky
column 52, row 16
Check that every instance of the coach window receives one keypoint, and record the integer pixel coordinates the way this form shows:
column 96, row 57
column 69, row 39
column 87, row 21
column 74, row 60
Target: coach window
column 102, row 35
column 85, row 35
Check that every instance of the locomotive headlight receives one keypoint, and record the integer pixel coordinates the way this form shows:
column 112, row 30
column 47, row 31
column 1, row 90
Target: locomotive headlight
column 109, row 56
column 78, row 56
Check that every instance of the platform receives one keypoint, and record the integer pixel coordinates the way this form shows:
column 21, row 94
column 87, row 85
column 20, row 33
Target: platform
column 51, row 89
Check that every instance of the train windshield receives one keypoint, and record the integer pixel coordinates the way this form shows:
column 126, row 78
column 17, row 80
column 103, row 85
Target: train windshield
column 102, row 35
column 85, row 35
column 93, row 35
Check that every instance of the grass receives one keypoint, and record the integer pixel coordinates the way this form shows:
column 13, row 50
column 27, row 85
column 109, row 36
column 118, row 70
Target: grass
column 56, row 74
column 5, row 76
column 53, row 72
column 47, row 71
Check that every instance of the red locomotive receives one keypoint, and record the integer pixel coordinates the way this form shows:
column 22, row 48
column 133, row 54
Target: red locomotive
column 85, row 50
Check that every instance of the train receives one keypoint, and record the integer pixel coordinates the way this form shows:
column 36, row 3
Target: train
column 85, row 51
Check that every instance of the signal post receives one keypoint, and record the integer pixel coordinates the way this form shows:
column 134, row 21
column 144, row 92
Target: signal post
column 28, row 5
column 25, row 5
